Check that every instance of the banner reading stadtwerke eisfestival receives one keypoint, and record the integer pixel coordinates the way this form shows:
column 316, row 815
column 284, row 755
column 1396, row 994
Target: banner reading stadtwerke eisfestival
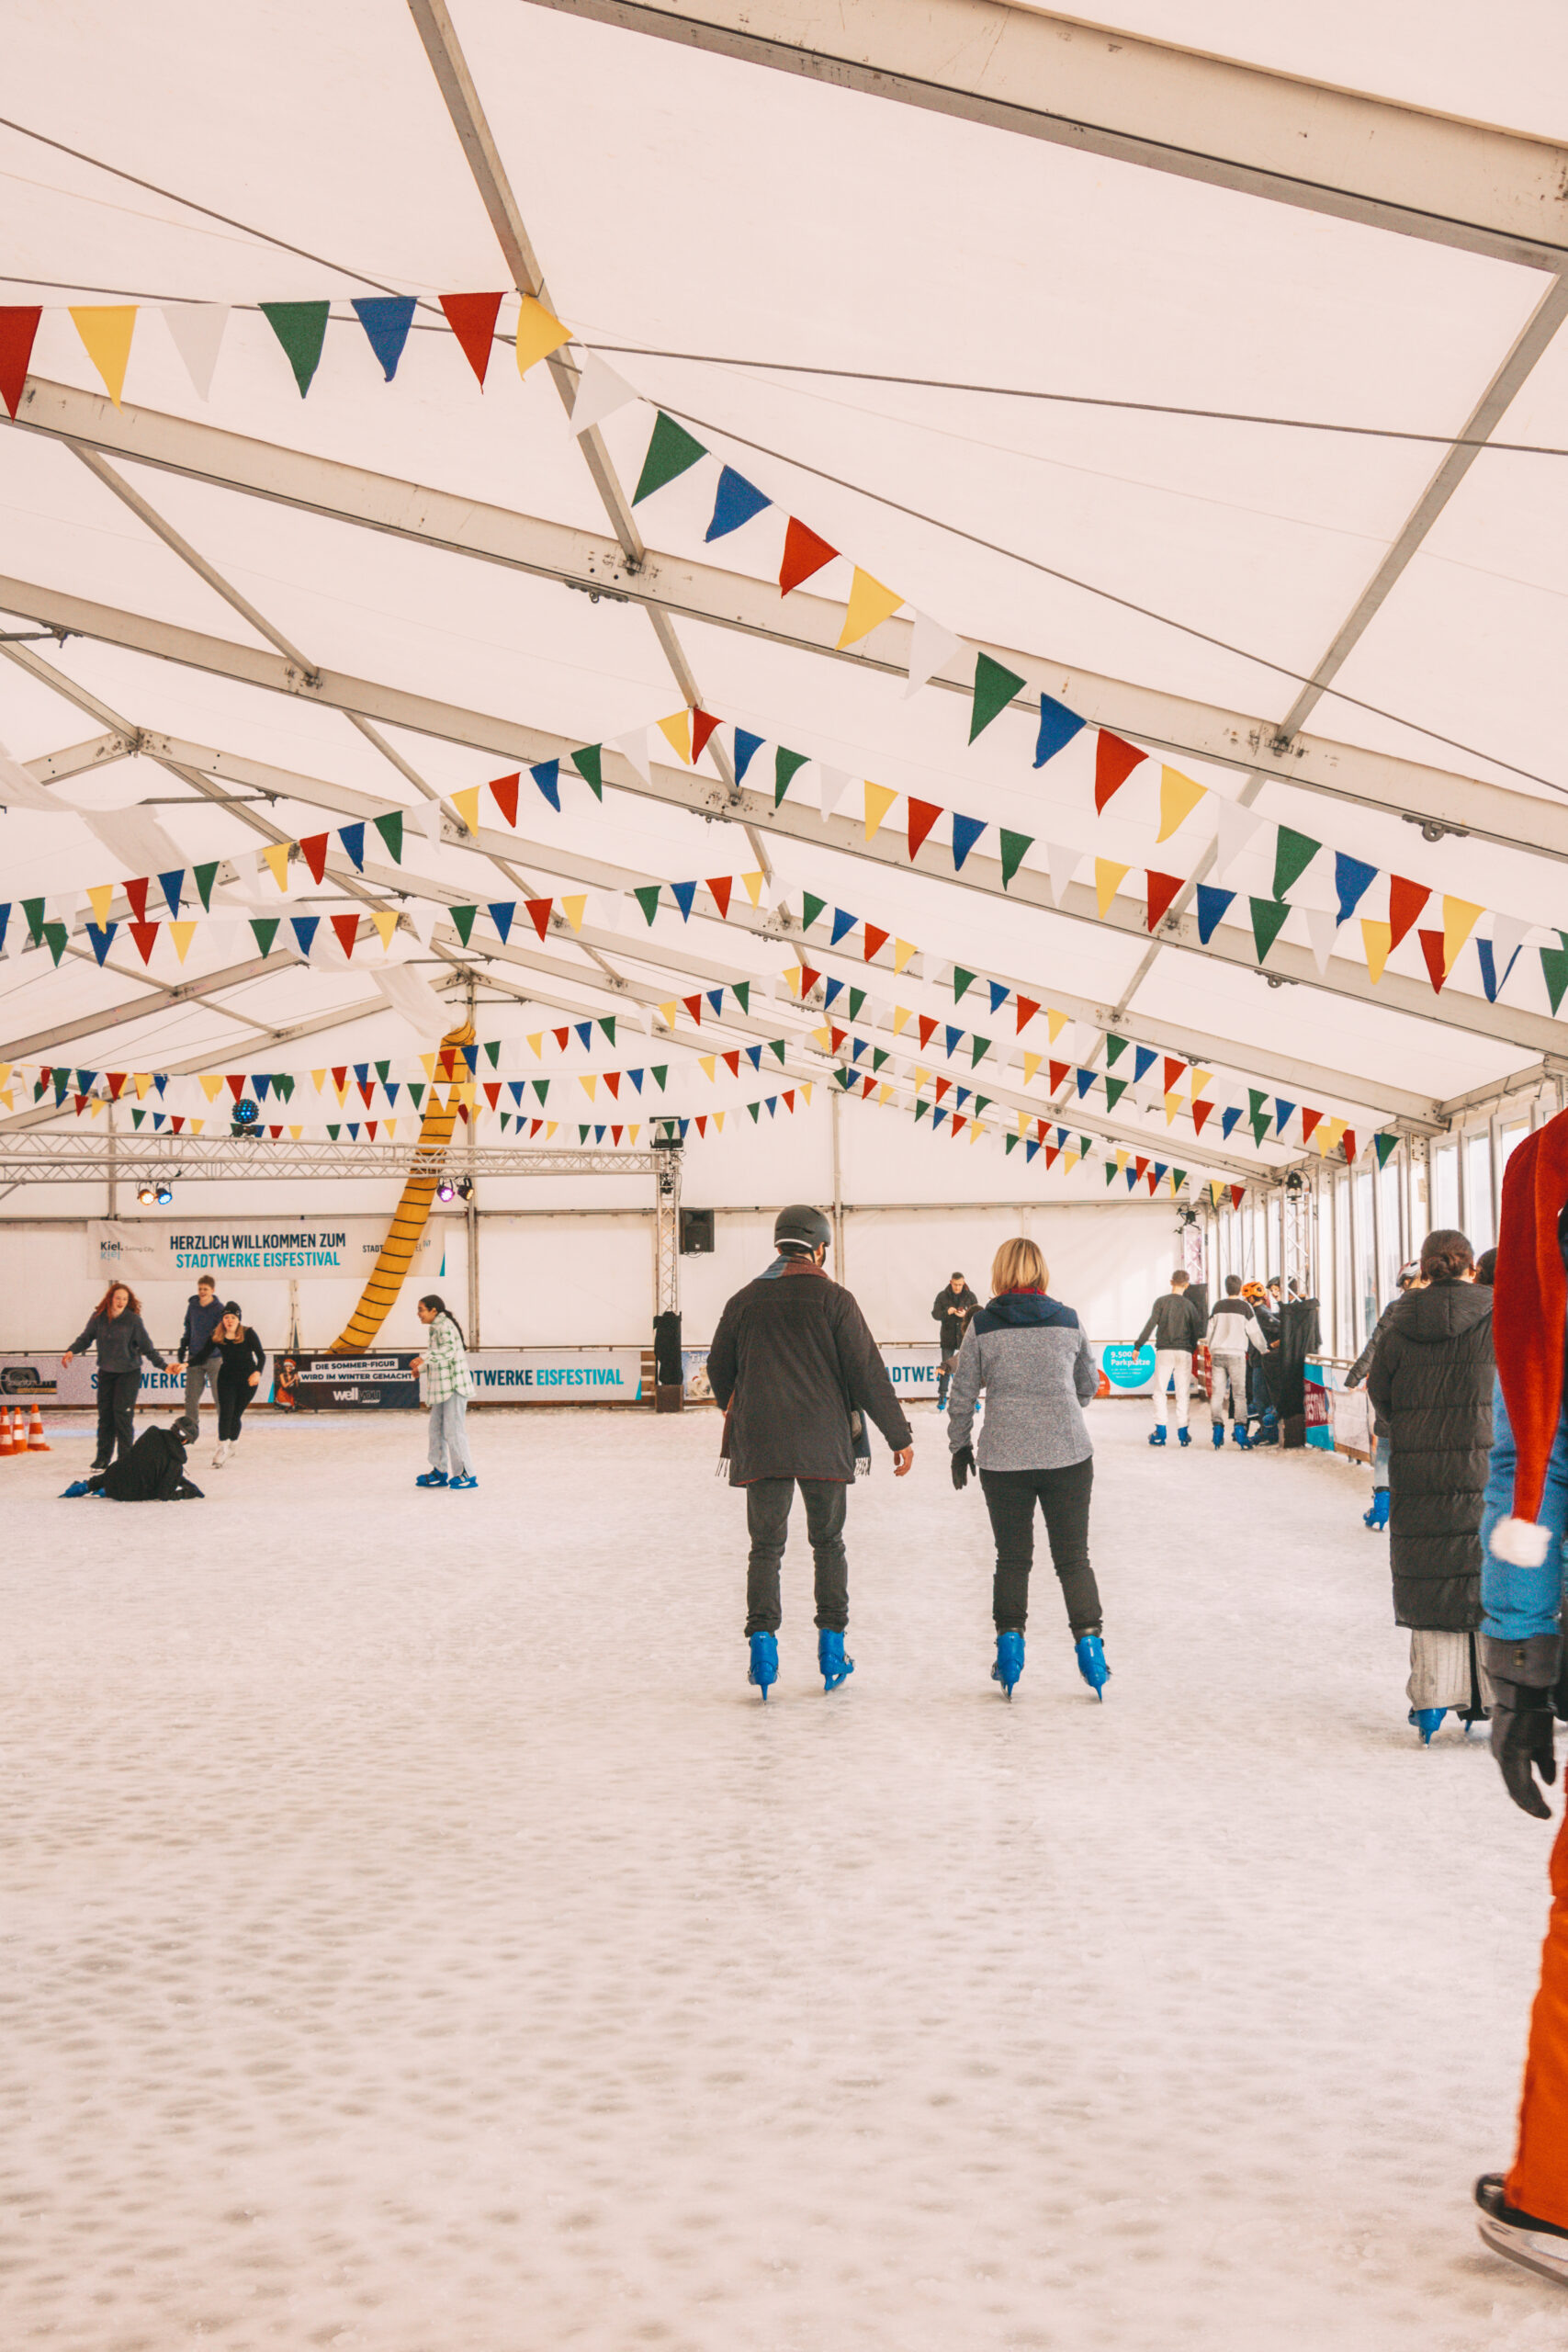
column 154, row 1249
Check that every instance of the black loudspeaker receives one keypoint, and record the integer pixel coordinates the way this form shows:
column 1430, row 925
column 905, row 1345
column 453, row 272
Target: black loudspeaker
column 696, row 1233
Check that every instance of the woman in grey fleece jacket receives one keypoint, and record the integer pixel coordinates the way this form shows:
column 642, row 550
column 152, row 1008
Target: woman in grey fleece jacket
column 1033, row 1359
column 116, row 1329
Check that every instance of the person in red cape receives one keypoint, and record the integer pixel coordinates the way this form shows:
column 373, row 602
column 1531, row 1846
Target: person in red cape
column 1524, row 2212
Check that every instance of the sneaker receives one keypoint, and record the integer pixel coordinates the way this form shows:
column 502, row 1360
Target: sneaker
column 463, row 1479
column 432, row 1479
column 1520, row 2237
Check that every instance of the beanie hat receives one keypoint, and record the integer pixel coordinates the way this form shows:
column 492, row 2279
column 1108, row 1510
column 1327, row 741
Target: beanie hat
column 1528, row 1316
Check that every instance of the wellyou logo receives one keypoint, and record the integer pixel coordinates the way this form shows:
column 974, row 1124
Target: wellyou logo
column 1127, row 1368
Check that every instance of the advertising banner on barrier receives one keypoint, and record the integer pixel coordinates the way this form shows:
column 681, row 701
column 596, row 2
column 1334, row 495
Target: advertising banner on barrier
column 40, row 1375
column 156, row 1249
column 1127, row 1372
column 556, row 1376
column 912, row 1367
column 325, row 1383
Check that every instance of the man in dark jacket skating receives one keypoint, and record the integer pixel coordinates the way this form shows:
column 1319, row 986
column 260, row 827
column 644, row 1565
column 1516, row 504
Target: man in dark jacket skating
column 952, row 1309
column 1178, row 1326
column 795, row 1367
column 204, row 1312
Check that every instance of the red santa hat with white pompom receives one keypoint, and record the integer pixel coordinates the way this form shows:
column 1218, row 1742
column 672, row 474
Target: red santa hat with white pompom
column 1530, row 1325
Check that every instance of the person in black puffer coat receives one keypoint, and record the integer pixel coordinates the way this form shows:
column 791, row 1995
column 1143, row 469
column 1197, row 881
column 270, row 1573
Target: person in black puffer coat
column 153, row 1472
column 1430, row 1384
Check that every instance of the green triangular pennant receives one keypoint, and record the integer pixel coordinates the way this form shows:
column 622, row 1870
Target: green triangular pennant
column 879, row 1054
column 284, row 1085
column 1554, row 967
column 462, row 917
column 661, row 1072
column 672, row 452
column 742, row 991
column 1269, row 916
column 607, row 1022
column 1114, row 1049
column 542, row 1089
column 776, row 1045
column 963, row 982
column 205, row 878
column 300, row 328
column 921, row 1108
column 1109, row 1171
column 810, row 907
column 1178, row 1178
column 995, row 687
column 334, row 1133
column 266, row 929
column 390, row 827
column 753, row 1108
column 857, row 997
column 647, row 896
column 978, row 1048
column 1015, row 847
column 384, row 1069
column 416, row 1092
column 33, row 911
column 137, row 1117
column 1382, row 1146
column 54, row 937
column 493, row 1049
column 588, row 763
column 1010, row 1141
column 1293, row 853
column 786, row 766
column 1114, row 1089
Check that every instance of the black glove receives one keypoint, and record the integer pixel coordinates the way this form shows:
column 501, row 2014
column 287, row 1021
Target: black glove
column 963, row 1463
column 1523, row 1676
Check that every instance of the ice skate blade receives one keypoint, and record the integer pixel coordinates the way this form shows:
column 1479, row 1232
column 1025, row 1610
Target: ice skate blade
column 1528, row 2248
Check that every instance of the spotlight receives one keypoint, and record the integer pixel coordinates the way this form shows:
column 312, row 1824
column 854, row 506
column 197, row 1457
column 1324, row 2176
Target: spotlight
column 146, row 1195
column 445, row 1190
column 164, row 1196
column 464, row 1188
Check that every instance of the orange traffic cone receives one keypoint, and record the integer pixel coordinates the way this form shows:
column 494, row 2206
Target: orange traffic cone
column 36, row 1442
column 7, row 1448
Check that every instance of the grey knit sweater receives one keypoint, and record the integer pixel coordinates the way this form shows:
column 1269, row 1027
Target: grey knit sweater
column 1033, row 1359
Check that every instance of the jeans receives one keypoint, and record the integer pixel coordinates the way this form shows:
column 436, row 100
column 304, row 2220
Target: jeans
column 1227, row 1375
column 767, row 1524
column 1063, row 1496
column 1173, row 1363
column 199, row 1375
column 449, row 1437
column 234, row 1393
column 118, row 1392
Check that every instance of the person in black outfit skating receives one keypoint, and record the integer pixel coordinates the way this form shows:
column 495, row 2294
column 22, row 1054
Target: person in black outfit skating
column 241, row 1358
column 952, row 1309
column 116, row 1329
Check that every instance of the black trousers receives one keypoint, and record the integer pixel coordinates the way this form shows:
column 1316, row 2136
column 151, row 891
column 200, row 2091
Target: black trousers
column 234, row 1393
column 118, row 1392
column 1063, row 1496
column 767, row 1524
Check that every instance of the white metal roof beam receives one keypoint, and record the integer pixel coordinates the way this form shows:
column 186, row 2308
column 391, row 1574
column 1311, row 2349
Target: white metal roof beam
column 700, row 794
column 1482, row 189
column 586, row 562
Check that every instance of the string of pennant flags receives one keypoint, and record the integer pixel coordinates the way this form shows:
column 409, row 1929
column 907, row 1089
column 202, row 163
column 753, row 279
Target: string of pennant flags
column 107, row 332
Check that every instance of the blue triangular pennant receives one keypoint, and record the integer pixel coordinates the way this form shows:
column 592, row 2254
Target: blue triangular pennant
column 842, row 922
column 1228, row 1119
column 500, row 913
column 171, row 884
column 1211, row 905
column 954, row 1038
column 1086, row 1079
column 304, row 928
column 102, row 939
column 1283, row 1112
column 1352, row 878
column 585, row 1033
column 1144, row 1059
column 754, row 1056
column 736, row 500
column 966, row 831
column 546, row 775
column 684, row 893
column 1058, row 725
column 999, row 993
column 831, row 989
column 747, row 747
column 385, row 319
column 353, row 839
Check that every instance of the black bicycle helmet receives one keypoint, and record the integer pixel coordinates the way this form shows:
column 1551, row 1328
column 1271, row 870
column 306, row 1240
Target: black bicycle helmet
column 801, row 1229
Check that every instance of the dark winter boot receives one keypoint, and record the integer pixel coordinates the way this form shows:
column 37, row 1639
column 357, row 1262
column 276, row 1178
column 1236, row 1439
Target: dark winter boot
column 831, row 1663
column 1239, row 1437
column 1519, row 2237
column 1425, row 1720
column 1157, row 1435
column 1009, row 1662
column 1377, row 1517
column 1090, row 1651
column 1184, row 1435
column 1219, row 1435
column 764, row 1667
column 1270, row 1432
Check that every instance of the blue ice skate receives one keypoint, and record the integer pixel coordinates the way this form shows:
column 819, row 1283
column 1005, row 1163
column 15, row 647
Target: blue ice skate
column 831, row 1663
column 1269, row 1431
column 1157, row 1435
column 1219, row 1435
column 1090, row 1652
column 1184, row 1434
column 1009, row 1662
column 1239, row 1437
column 1377, row 1517
column 460, row 1480
column 77, row 1486
column 1425, row 1720
column 764, row 1667
column 432, row 1479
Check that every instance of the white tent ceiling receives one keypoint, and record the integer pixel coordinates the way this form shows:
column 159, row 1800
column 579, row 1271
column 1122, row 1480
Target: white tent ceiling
column 682, row 202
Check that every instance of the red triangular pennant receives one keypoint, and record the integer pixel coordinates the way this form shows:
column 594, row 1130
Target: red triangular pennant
column 719, row 887
column 340, row 1076
column 1310, row 1119
column 348, row 930
column 1139, row 1165
column 874, row 941
column 703, row 1124
column 1432, row 948
column 561, row 1036
column 136, row 891
column 236, row 1086
column 613, row 1080
column 472, row 318
column 956, row 1122
column 838, row 1036
column 1115, row 761
column 145, row 934
column 1238, row 1194
column 1053, row 1153
column 117, row 1080
column 1057, row 1074
column 927, row 1026
column 503, row 792
column 1201, row 1111
column 1163, row 887
column 923, row 814
column 703, row 724
column 538, row 913
column 366, row 1089
column 943, row 1087
column 808, row 980
column 1027, row 1008
column 1405, row 900
column 18, row 324
column 492, row 1092
column 314, row 853
column 1173, row 1069
column 693, row 1005
column 803, row 553
column 1347, row 1143
column 731, row 1063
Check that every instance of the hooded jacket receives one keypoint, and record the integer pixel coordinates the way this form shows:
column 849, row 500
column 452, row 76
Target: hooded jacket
column 792, row 1357
column 1431, row 1387
column 1032, row 1357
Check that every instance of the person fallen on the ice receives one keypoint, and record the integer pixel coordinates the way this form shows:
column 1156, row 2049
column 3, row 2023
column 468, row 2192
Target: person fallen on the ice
column 1178, row 1326
column 797, row 1374
column 1233, row 1333
column 1524, row 2212
column 153, row 1472
column 951, row 1307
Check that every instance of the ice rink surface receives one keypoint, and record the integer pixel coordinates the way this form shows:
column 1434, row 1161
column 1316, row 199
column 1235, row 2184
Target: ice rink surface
column 416, row 1936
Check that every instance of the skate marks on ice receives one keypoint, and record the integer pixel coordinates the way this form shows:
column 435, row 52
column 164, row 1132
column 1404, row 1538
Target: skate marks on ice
column 417, row 1936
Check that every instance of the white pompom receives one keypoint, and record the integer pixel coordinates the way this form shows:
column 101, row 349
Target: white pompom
column 1522, row 1542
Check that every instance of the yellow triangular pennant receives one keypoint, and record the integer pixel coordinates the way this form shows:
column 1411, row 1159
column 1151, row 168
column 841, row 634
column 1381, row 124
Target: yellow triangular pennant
column 467, row 804
column 100, row 897
column 1030, row 1064
column 536, row 1044
column 805, row 1088
column 878, row 800
column 574, row 910
column 1201, row 1079
column 1121, row 1161
column 632, row 1135
column 385, row 921
column 589, row 1084
column 902, row 950
column 105, row 331
column 141, row 1081
column 296, row 1133
column 1460, row 918
column 753, row 885
column 1179, row 795
column 182, row 933
column 902, row 1016
column 666, row 1013
column 823, row 1037
column 706, row 1063
column 870, row 604
column 1378, row 939
column 277, row 857
column 209, row 1084
column 1055, row 1022
column 1172, row 1104
column 677, row 732
column 538, row 333
column 427, row 1063
column 1107, row 879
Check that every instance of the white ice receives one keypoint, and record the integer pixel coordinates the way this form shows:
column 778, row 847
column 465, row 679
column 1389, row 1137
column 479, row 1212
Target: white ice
column 416, row 1936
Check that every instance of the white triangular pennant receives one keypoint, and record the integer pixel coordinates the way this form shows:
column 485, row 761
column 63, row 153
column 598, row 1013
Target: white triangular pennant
column 931, row 648
column 1321, row 928
column 197, row 330
column 1063, row 862
column 1508, row 938
column 600, row 392
column 633, row 749
column 831, row 786
column 1237, row 826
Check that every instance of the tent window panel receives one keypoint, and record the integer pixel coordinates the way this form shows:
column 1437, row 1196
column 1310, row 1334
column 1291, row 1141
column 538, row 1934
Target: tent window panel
column 1443, row 1182
column 1344, row 1283
column 1327, row 1288
column 1366, row 1260
column 1482, row 1227
column 1389, row 1258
